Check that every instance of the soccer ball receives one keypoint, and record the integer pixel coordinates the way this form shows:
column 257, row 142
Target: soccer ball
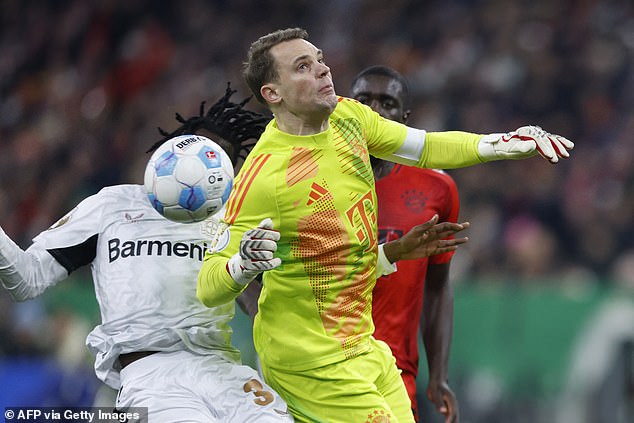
column 188, row 178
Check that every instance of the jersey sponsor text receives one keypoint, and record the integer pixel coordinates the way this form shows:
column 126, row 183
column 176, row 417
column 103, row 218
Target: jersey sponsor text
column 143, row 247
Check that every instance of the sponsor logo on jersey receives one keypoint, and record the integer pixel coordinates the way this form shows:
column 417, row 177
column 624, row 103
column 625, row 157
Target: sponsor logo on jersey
column 132, row 219
column 120, row 249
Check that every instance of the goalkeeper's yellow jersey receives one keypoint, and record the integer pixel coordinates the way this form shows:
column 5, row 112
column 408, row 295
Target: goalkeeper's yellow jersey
column 315, row 308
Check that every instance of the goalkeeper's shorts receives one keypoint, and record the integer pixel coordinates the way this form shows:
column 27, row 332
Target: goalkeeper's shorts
column 365, row 388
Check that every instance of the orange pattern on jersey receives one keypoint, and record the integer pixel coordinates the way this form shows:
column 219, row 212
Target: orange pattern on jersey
column 302, row 165
column 344, row 317
column 316, row 192
column 351, row 148
column 322, row 247
column 241, row 187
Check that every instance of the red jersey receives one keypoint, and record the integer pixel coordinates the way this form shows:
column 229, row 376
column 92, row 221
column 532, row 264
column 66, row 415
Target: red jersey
column 408, row 196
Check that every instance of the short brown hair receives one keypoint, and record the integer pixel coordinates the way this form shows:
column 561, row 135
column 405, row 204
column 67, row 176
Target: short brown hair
column 259, row 68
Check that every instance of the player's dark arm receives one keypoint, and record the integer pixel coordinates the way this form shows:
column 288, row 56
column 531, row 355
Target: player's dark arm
column 248, row 300
column 437, row 328
column 425, row 240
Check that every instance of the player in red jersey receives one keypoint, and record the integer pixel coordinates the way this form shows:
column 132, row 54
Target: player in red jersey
column 423, row 295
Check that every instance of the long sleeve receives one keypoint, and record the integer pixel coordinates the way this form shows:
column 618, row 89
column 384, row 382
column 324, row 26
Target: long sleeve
column 215, row 284
column 435, row 150
column 449, row 150
column 26, row 274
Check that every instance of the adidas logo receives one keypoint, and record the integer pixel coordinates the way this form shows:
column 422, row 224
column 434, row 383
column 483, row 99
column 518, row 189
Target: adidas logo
column 316, row 192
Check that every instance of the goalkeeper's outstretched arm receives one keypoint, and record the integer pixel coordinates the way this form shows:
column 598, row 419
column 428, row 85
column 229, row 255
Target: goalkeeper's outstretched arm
column 453, row 149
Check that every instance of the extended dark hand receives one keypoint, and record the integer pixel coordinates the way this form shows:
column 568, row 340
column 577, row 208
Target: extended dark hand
column 426, row 239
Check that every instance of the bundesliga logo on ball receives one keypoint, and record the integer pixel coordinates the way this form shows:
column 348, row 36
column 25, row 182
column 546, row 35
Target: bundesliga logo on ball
column 188, row 178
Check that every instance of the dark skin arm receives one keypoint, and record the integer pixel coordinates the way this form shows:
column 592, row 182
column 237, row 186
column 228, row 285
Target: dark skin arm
column 424, row 240
column 436, row 330
column 248, row 299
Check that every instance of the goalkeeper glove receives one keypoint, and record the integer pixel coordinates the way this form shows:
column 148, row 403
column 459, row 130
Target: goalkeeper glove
column 524, row 142
column 256, row 253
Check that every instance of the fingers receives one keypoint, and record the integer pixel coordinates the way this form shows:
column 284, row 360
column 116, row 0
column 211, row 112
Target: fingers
column 568, row 145
column 444, row 400
column 431, row 230
column 446, row 245
column 427, row 225
column 263, row 231
column 446, row 229
column 258, row 247
column 550, row 146
column 542, row 142
column 262, row 265
column 451, row 407
column 561, row 145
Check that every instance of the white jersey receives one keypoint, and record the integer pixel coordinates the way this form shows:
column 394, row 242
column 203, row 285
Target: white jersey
column 145, row 271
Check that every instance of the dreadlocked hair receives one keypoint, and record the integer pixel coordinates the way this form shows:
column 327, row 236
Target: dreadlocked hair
column 239, row 127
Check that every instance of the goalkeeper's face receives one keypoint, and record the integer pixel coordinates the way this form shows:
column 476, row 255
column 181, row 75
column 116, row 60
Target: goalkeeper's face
column 385, row 95
column 304, row 85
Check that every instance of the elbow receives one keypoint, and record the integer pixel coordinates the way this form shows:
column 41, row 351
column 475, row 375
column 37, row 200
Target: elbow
column 202, row 295
column 205, row 294
column 215, row 285
column 209, row 300
column 204, row 298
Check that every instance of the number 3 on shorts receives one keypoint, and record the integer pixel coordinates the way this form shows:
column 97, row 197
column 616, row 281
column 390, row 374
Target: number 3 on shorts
column 262, row 397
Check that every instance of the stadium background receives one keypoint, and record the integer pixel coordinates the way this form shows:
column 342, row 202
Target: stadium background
column 545, row 288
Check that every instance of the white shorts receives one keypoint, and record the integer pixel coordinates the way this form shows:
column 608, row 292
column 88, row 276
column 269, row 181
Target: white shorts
column 185, row 387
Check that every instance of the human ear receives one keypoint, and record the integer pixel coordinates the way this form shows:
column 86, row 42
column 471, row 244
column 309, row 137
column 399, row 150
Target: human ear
column 270, row 94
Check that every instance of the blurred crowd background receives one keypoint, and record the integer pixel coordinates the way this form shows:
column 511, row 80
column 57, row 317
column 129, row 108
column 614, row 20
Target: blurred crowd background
column 85, row 84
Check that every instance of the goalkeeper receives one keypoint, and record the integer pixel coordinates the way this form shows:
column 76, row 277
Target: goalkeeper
column 308, row 184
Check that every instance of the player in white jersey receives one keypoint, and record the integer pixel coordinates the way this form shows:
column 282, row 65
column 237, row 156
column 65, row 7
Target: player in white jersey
column 157, row 344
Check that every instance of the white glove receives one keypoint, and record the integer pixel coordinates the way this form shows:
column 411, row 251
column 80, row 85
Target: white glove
column 256, row 253
column 524, row 142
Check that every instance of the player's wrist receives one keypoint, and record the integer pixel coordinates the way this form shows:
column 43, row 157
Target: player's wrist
column 393, row 250
column 238, row 273
column 486, row 147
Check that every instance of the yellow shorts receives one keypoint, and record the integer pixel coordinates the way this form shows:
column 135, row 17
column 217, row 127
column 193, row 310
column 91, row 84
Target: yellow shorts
column 364, row 389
